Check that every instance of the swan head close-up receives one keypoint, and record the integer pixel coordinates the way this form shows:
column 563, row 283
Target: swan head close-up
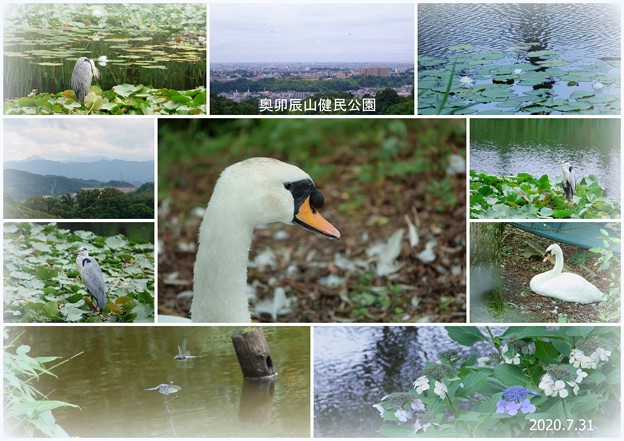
column 552, row 250
column 249, row 193
column 264, row 190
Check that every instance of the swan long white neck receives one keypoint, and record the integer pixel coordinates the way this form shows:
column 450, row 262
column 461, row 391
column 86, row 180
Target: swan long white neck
column 220, row 273
column 558, row 263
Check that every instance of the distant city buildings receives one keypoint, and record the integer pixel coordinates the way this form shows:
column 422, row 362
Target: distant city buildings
column 221, row 73
column 375, row 71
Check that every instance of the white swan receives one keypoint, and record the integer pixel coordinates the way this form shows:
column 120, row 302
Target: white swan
column 249, row 193
column 564, row 286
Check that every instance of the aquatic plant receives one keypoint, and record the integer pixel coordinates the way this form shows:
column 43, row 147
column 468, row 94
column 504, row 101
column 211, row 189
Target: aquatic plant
column 40, row 276
column 496, row 82
column 162, row 45
column 124, row 99
column 524, row 196
column 26, row 410
column 552, row 389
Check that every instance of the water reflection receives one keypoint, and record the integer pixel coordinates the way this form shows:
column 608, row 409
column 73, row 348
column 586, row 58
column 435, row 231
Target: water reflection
column 512, row 146
column 581, row 31
column 108, row 382
column 354, row 367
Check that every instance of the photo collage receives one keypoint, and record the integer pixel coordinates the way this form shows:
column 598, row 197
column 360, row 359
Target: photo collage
column 340, row 219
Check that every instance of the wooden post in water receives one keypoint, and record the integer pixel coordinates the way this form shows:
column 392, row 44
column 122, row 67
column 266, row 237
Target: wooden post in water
column 253, row 354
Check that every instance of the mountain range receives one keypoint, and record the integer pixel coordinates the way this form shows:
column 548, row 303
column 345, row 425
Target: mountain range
column 98, row 168
column 21, row 185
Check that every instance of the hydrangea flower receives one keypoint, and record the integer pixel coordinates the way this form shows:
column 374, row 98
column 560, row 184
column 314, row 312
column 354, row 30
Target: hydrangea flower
column 380, row 409
column 440, row 389
column 508, row 407
column 574, row 386
column 466, row 81
column 417, row 405
column 602, row 354
column 421, row 384
column 527, row 407
column 403, row 415
column 552, row 387
column 483, row 361
column 418, row 425
column 580, row 374
column 515, row 398
column 423, row 422
column 515, row 359
column 579, row 359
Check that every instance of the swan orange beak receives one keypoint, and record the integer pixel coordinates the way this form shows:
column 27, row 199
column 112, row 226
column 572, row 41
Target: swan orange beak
column 547, row 256
column 310, row 218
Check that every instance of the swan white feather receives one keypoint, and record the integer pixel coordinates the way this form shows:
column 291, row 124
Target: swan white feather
column 568, row 287
column 249, row 193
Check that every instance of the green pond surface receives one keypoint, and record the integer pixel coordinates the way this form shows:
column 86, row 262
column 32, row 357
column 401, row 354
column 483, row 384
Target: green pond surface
column 141, row 232
column 510, row 146
column 108, row 380
column 519, row 58
column 158, row 45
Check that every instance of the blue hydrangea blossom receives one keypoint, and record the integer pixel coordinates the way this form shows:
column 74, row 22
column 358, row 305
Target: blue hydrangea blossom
column 514, row 399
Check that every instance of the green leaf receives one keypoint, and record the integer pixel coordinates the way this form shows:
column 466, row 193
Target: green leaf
column 465, row 335
column 510, row 375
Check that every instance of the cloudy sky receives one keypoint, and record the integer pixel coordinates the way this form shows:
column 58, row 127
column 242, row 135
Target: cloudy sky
column 311, row 32
column 77, row 139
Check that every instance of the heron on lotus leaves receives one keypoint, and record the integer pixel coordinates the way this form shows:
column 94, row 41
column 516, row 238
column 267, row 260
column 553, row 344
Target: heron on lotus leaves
column 83, row 73
column 92, row 277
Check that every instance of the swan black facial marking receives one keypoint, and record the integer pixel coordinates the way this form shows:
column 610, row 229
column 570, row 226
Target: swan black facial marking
column 301, row 190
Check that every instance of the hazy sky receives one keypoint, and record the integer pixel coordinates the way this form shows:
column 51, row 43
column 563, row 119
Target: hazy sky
column 311, row 32
column 73, row 139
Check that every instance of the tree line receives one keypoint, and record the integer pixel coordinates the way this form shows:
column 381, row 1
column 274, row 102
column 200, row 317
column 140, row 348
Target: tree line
column 387, row 102
column 303, row 85
column 108, row 203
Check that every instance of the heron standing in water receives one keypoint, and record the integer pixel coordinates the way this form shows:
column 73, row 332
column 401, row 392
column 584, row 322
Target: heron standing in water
column 568, row 179
column 92, row 277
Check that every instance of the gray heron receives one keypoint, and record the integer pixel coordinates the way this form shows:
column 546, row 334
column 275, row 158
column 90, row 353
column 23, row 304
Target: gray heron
column 568, row 179
column 91, row 276
column 83, row 73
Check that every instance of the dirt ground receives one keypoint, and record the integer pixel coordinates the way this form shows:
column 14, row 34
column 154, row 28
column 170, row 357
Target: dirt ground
column 522, row 259
column 371, row 212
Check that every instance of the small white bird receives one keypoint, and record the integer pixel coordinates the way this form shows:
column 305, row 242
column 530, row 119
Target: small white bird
column 92, row 277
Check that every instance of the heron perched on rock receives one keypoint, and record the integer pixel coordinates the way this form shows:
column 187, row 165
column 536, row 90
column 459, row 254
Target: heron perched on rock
column 83, row 73
column 92, row 277
column 568, row 179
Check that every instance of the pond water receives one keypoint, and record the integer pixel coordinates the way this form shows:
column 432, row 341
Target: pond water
column 568, row 55
column 157, row 45
column 140, row 232
column 108, row 380
column 354, row 367
column 534, row 146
